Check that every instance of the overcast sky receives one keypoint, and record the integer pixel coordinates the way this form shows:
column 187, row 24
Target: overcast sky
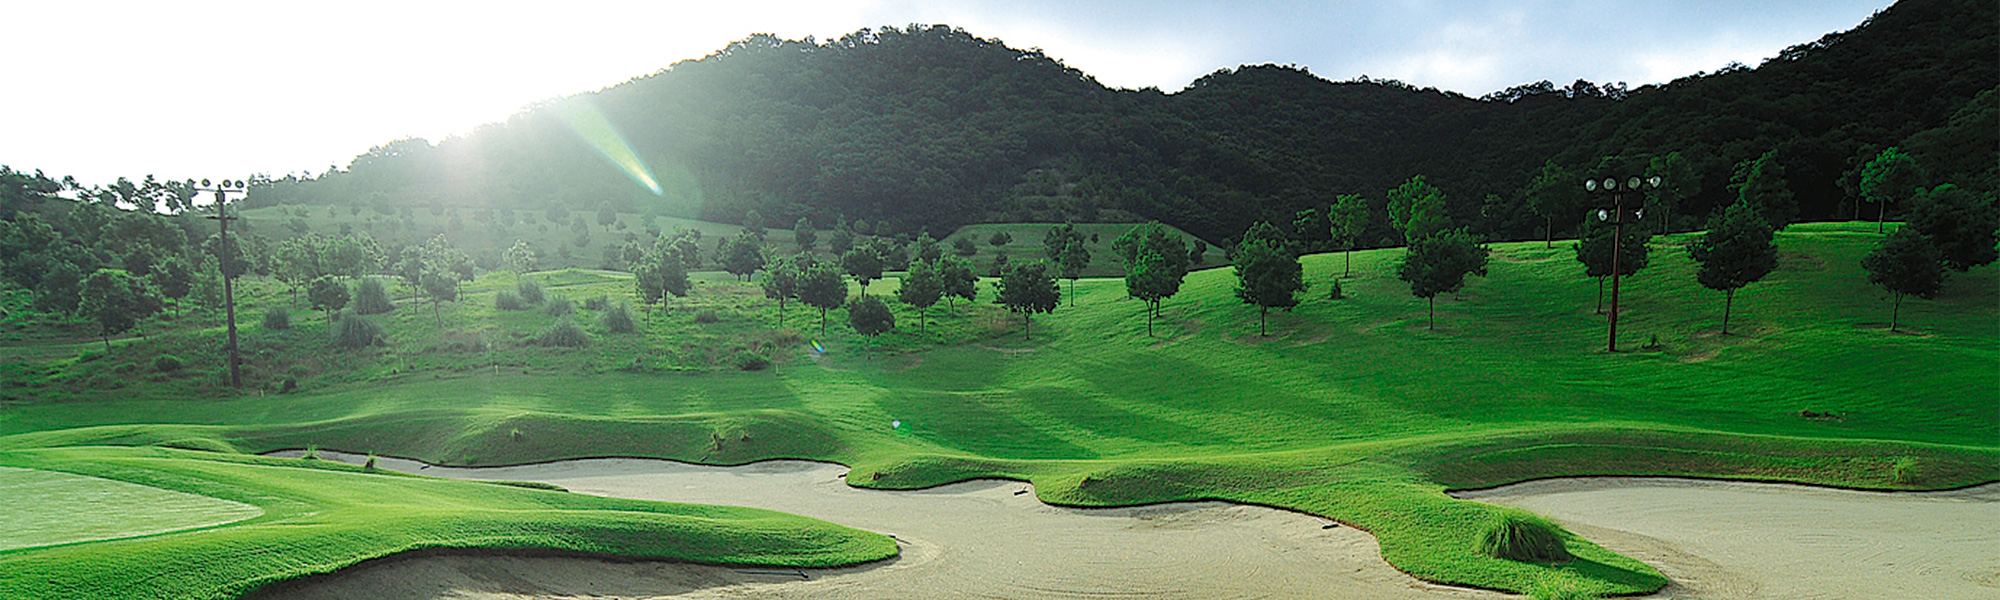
column 197, row 90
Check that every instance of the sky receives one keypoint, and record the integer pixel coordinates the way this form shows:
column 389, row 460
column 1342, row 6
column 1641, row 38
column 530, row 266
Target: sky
column 223, row 90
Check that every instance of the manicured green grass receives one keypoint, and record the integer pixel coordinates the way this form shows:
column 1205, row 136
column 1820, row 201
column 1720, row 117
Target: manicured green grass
column 1351, row 409
column 69, row 508
column 320, row 517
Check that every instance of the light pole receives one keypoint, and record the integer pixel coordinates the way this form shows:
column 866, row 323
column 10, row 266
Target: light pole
column 1617, row 216
column 226, row 249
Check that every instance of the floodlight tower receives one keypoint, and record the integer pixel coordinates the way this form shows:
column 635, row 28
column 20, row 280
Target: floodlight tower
column 225, row 250
column 1617, row 216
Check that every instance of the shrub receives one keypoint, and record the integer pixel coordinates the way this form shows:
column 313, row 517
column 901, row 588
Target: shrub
column 354, row 332
column 564, row 333
column 370, row 465
column 371, row 298
column 618, row 319
column 167, row 363
column 1904, row 470
column 751, row 361
column 1519, row 535
column 278, row 318
column 560, row 306
column 530, row 291
column 506, row 300
column 706, row 316
column 599, row 302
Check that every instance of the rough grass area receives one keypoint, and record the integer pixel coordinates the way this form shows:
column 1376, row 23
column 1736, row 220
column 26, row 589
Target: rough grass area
column 1352, row 409
column 319, row 517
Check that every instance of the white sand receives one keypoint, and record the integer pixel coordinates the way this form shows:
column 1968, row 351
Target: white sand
column 1720, row 539
column 993, row 539
column 982, row 539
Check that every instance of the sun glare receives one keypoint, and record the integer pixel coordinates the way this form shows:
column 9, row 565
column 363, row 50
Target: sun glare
column 590, row 125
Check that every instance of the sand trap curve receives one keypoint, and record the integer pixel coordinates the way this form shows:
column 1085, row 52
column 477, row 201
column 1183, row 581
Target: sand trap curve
column 993, row 539
column 1719, row 539
column 981, row 539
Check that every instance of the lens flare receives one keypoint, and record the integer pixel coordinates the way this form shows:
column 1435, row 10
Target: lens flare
column 589, row 124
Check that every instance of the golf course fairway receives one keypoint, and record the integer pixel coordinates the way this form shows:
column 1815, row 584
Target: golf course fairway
column 1355, row 411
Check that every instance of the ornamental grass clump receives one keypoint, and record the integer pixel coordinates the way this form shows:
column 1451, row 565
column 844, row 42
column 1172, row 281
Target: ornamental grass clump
column 507, row 300
column 564, row 333
column 354, row 332
column 560, row 306
column 278, row 318
column 618, row 319
column 529, row 291
column 1519, row 535
column 370, row 298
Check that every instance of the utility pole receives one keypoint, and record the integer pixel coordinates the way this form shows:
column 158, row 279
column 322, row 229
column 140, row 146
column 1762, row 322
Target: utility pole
column 226, row 249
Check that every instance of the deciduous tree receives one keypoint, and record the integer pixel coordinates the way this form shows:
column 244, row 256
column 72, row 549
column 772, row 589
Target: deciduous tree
column 821, row 287
column 1349, row 216
column 1438, row 264
column 1267, row 276
column 1892, row 176
column 921, row 288
column 1028, row 288
column 1960, row 224
column 1906, row 264
column 1735, row 252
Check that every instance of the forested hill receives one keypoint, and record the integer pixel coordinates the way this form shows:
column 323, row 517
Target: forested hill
column 933, row 127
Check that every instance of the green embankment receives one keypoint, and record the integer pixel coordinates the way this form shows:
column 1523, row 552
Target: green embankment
column 319, row 518
column 1351, row 409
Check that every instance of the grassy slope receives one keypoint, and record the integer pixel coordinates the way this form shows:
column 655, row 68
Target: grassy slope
column 1351, row 409
column 318, row 518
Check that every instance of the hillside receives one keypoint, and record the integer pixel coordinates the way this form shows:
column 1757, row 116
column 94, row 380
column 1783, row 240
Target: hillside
column 933, row 128
column 1352, row 409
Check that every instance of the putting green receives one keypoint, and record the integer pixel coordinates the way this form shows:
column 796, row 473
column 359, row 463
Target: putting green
column 53, row 508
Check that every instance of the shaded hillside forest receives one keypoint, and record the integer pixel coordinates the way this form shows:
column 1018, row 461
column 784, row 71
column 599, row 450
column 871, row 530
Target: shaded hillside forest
column 930, row 127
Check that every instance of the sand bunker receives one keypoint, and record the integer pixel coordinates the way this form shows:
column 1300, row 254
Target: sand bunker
column 1718, row 539
column 993, row 539
column 982, row 539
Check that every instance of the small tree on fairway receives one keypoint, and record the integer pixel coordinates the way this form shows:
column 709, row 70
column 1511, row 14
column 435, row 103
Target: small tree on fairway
column 663, row 269
column 1065, row 248
column 1905, row 264
column 1735, row 252
column 116, row 301
column 439, row 268
column 1267, row 276
column 1350, row 217
column 327, row 295
column 520, row 258
column 869, row 316
column 804, row 234
column 743, row 255
column 1000, row 238
column 781, row 281
column 174, row 277
column 923, row 287
column 863, row 263
column 753, row 224
column 1156, row 261
column 1893, row 176
column 606, row 216
column 955, row 274
column 821, row 287
column 1594, row 251
column 1028, row 288
column 1961, row 225
column 1554, row 193
column 963, row 246
column 1438, row 263
column 926, row 248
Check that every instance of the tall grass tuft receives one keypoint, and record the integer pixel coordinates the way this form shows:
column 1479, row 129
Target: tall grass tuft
column 508, row 300
column 598, row 302
column 1904, row 470
column 618, row 319
column 530, row 292
column 371, row 298
column 354, row 332
column 277, row 318
column 560, row 306
column 564, row 333
column 1519, row 535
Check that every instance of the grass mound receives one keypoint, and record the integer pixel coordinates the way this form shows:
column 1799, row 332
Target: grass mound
column 564, row 333
column 1519, row 535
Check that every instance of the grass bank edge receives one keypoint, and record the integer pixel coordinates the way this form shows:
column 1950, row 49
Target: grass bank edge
column 320, row 518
